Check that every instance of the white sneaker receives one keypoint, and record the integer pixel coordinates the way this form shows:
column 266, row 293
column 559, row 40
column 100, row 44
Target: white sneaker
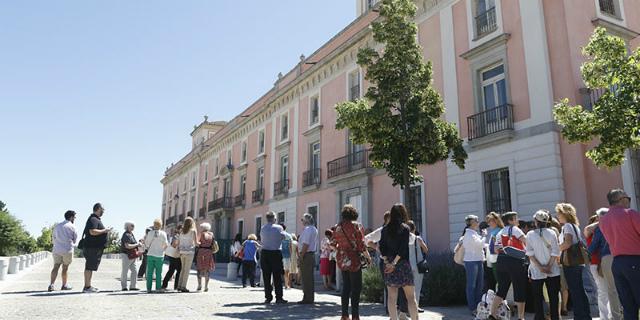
column 90, row 290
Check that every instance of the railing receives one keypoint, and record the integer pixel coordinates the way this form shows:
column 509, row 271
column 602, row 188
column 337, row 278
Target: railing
column 354, row 92
column 486, row 22
column 240, row 200
column 210, row 205
column 181, row 217
column 349, row 163
column 591, row 96
column 257, row 195
column 170, row 220
column 223, row 203
column 311, row 177
column 281, row 187
column 490, row 121
column 608, row 7
column 202, row 213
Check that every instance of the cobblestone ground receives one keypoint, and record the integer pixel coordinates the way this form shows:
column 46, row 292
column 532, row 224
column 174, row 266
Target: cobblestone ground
column 24, row 296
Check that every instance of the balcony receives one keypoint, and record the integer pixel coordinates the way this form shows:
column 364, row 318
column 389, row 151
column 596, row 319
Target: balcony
column 281, row 187
column 181, row 218
column 223, row 203
column 608, row 7
column 171, row 220
column 210, row 205
column 591, row 96
column 202, row 213
column 311, row 178
column 257, row 195
column 240, row 201
column 486, row 22
column 349, row 163
column 490, row 122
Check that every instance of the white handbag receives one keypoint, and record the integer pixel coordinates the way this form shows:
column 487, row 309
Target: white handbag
column 458, row 253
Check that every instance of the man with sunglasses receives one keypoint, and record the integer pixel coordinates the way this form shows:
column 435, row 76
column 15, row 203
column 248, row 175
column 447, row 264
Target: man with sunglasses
column 621, row 228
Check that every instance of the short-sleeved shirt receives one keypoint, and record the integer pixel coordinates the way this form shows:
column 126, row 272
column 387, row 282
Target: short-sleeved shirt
column 99, row 241
column 543, row 245
column 271, row 236
column 127, row 238
column 286, row 246
column 621, row 228
column 309, row 237
column 250, row 249
column 571, row 229
column 187, row 242
column 503, row 237
column 64, row 237
column 155, row 242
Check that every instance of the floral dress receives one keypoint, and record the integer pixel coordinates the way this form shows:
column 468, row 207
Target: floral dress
column 204, row 260
column 348, row 240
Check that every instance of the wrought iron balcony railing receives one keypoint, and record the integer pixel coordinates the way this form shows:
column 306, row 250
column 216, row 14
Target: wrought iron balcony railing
column 486, row 22
column 281, row 187
column 349, row 163
column 257, row 195
column 311, row 177
column 490, row 121
column 240, row 200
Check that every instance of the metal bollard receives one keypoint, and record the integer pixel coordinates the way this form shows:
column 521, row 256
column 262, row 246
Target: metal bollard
column 21, row 263
column 27, row 260
column 13, row 265
column 33, row 258
column 3, row 269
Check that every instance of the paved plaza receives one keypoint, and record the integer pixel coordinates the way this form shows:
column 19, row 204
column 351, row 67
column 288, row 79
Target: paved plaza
column 24, row 296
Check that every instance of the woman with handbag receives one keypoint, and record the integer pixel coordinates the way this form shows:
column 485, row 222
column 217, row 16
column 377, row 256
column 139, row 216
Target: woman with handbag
column 511, row 265
column 205, row 263
column 187, row 242
column 155, row 244
column 473, row 243
column 129, row 253
column 235, row 249
column 418, row 261
column 394, row 249
column 543, row 252
column 351, row 257
column 325, row 264
column 574, row 258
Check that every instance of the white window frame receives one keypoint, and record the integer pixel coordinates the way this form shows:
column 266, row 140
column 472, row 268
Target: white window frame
column 315, row 97
column 317, row 205
column 618, row 19
column 238, row 226
column 351, row 72
column 313, row 152
column 243, row 177
column 471, row 24
column 255, row 224
column 244, row 154
column 229, row 156
column 284, row 116
column 493, row 82
column 206, row 173
column 260, row 178
column 284, row 167
column 216, row 171
column 264, row 142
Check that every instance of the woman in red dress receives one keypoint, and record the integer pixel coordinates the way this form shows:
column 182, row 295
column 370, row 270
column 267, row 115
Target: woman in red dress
column 204, row 259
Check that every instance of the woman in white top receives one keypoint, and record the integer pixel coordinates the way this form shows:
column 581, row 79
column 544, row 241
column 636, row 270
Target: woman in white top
column 415, row 255
column 235, row 249
column 569, row 236
column 543, row 252
column 187, row 242
column 155, row 242
column 473, row 244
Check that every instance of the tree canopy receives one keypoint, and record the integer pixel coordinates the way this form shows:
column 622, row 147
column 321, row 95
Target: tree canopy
column 614, row 122
column 14, row 239
column 401, row 115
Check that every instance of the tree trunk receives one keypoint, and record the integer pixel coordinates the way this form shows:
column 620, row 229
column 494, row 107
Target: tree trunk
column 406, row 189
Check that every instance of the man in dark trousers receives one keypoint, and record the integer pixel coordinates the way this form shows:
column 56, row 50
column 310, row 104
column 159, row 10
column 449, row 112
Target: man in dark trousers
column 271, row 235
column 143, row 266
column 94, row 242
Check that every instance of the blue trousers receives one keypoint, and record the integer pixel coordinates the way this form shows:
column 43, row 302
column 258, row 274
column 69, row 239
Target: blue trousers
column 626, row 273
column 581, row 308
column 475, row 279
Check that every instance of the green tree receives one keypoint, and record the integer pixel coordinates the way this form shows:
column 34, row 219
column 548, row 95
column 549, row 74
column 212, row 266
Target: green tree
column 45, row 240
column 401, row 115
column 113, row 242
column 614, row 121
column 13, row 238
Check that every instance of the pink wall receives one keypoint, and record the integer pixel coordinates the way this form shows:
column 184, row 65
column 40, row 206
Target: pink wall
column 461, row 42
column 331, row 94
column 429, row 38
column 437, row 205
column 518, row 83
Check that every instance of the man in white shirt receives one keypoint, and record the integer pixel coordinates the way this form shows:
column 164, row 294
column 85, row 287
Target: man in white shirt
column 64, row 239
column 308, row 243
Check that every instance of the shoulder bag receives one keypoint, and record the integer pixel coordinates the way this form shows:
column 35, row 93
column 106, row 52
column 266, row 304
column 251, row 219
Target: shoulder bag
column 511, row 250
column 577, row 254
column 423, row 266
column 364, row 262
column 458, row 253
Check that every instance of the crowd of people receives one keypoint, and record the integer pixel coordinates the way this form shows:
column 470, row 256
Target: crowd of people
column 542, row 261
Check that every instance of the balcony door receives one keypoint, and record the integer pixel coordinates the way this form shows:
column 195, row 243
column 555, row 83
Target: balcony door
column 494, row 96
column 227, row 188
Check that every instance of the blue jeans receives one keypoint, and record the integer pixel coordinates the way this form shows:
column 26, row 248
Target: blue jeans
column 475, row 278
column 581, row 308
column 626, row 272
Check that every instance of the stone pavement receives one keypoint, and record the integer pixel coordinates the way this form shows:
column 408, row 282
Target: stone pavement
column 25, row 297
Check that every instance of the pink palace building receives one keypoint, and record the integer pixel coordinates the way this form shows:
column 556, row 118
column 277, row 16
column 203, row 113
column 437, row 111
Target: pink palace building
column 499, row 66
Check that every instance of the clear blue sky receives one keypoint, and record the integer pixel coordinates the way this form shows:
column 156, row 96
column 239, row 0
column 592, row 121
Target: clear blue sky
column 98, row 97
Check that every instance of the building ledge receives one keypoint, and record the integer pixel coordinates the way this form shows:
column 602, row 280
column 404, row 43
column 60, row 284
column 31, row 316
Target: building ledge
column 492, row 139
column 350, row 175
column 495, row 42
column 615, row 29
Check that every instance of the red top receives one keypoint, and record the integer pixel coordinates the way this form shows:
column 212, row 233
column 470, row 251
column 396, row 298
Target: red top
column 595, row 257
column 621, row 229
column 349, row 242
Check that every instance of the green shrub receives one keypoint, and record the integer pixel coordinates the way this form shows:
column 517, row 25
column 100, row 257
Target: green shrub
column 445, row 283
column 372, row 285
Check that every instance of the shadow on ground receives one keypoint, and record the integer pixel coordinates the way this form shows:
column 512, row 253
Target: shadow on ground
column 290, row 311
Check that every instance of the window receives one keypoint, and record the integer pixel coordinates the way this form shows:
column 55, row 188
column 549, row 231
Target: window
column 371, row 3
column 280, row 217
column 226, row 192
column 416, row 203
column 243, row 184
column 243, row 152
column 497, row 190
column 192, row 203
column 610, row 7
column 313, row 211
column 193, row 179
column 241, row 227
column 261, row 142
column 258, row 225
column 229, row 157
column 494, row 87
column 284, row 127
column 217, row 169
column 215, row 193
column 260, row 180
column 204, row 200
column 314, row 111
column 176, row 209
column 184, row 206
column 485, row 17
column 354, row 85
column 284, row 168
column 206, row 172
column 314, row 159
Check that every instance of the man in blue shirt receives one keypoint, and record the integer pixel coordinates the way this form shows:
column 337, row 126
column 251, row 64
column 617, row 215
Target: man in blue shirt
column 271, row 236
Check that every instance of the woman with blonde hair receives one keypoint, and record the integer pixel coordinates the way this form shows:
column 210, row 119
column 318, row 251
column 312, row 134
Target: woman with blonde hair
column 204, row 259
column 155, row 242
column 570, row 236
column 187, row 242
